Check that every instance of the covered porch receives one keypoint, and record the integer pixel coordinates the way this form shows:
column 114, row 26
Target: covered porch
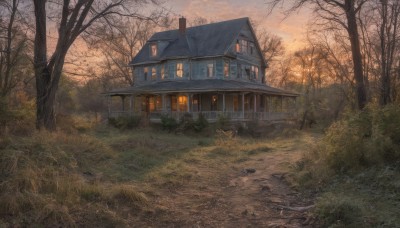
column 237, row 106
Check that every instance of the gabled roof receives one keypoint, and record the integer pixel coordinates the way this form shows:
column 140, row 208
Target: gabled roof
column 207, row 40
column 207, row 85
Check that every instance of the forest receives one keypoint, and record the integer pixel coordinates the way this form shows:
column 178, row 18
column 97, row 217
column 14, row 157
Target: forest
column 64, row 163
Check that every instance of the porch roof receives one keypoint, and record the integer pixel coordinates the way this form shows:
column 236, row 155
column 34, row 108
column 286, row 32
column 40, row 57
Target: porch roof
column 200, row 86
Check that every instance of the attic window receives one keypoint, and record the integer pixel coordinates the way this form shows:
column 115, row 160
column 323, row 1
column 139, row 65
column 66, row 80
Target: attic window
column 237, row 46
column 153, row 50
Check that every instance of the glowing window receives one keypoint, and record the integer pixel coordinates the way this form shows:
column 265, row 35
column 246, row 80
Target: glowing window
column 162, row 72
column 153, row 50
column 179, row 70
column 226, row 69
column 153, row 73
column 237, row 46
column 182, row 102
column 214, row 103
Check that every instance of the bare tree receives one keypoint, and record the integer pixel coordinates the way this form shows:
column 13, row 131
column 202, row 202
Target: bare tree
column 75, row 17
column 341, row 13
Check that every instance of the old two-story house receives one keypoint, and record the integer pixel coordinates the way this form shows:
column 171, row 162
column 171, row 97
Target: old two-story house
column 214, row 69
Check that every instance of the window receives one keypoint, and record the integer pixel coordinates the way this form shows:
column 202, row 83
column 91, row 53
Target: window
column 214, row 102
column 210, row 70
column 237, row 46
column 226, row 68
column 153, row 50
column 252, row 48
column 247, row 71
column 153, row 73
column 239, row 71
column 158, row 103
column 253, row 73
column 174, row 107
column 182, row 102
column 256, row 71
column 244, row 46
column 179, row 70
column 145, row 73
column 162, row 72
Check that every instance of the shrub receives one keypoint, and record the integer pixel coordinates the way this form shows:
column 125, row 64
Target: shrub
column 168, row 123
column 125, row 122
column 223, row 122
column 332, row 210
column 200, row 123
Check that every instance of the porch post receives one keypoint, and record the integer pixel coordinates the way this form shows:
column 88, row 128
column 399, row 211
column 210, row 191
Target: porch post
column 243, row 105
column 223, row 103
column 109, row 105
column 164, row 105
column 188, row 103
column 123, row 102
column 255, row 103
column 130, row 104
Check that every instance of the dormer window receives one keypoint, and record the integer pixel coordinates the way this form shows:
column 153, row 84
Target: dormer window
column 153, row 50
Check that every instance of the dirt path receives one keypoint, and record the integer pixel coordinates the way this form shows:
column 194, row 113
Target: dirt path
column 253, row 193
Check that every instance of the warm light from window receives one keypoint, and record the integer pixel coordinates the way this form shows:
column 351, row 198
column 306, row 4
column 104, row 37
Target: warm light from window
column 226, row 69
column 146, row 71
column 153, row 73
column 237, row 46
column 179, row 70
column 182, row 101
column 153, row 50
column 210, row 70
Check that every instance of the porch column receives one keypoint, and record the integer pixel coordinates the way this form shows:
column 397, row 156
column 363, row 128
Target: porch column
column 130, row 104
column 188, row 103
column 164, row 104
column 123, row 102
column 255, row 103
column 109, row 105
column 243, row 105
column 223, row 102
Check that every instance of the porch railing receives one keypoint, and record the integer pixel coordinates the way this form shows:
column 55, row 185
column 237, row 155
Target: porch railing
column 214, row 115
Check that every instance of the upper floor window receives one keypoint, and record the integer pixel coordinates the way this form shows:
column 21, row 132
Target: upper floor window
column 153, row 73
column 163, row 72
column 237, row 46
column 210, row 70
column 226, row 68
column 252, row 48
column 153, row 50
column 179, row 70
column 145, row 73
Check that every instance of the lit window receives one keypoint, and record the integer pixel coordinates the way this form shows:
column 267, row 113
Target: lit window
column 162, row 72
column 226, row 69
column 256, row 71
column 214, row 103
column 179, row 70
column 153, row 73
column 153, row 50
column 146, row 72
column 210, row 70
column 182, row 102
column 237, row 46
column 244, row 46
column 158, row 103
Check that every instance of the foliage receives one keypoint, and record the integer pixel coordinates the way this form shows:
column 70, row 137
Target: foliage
column 168, row 123
column 223, row 122
column 125, row 122
column 338, row 211
column 201, row 123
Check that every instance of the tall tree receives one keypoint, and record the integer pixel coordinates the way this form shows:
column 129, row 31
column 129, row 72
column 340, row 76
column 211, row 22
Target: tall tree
column 75, row 17
column 341, row 13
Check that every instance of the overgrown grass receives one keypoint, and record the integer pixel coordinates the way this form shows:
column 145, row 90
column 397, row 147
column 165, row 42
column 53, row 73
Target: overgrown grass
column 355, row 168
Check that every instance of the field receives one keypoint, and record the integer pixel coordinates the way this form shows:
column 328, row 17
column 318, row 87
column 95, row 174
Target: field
column 149, row 178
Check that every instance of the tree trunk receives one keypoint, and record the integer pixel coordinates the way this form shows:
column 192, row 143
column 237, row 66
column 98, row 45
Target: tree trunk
column 44, row 100
column 356, row 53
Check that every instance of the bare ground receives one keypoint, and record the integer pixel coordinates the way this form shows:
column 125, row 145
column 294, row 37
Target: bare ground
column 234, row 197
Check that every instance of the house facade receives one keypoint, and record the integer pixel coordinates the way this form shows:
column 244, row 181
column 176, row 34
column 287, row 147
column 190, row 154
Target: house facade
column 214, row 69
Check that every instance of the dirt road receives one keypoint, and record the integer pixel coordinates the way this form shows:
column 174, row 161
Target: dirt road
column 253, row 193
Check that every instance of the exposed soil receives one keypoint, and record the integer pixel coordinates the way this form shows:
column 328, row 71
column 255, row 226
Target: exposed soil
column 252, row 193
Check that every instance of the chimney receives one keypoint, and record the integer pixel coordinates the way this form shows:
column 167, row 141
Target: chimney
column 182, row 25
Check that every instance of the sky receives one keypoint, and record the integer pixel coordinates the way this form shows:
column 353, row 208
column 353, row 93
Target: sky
column 292, row 29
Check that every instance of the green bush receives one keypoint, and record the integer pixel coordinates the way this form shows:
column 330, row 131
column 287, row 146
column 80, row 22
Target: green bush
column 200, row 124
column 367, row 138
column 335, row 211
column 168, row 123
column 125, row 122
